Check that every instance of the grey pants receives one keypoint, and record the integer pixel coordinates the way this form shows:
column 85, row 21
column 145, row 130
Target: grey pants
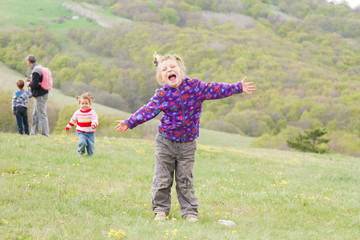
column 39, row 116
column 174, row 157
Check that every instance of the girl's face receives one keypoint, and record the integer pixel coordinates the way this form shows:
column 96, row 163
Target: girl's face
column 171, row 73
column 84, row 104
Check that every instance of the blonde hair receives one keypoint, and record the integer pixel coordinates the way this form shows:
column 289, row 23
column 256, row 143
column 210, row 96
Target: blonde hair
column 161, row 58
column 84, row 96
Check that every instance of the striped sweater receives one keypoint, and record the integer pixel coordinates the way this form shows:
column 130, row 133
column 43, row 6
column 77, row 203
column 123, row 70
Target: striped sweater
column 84, row 121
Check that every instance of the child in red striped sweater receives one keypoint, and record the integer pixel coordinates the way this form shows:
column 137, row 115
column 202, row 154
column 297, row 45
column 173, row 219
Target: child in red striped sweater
column 87, row 121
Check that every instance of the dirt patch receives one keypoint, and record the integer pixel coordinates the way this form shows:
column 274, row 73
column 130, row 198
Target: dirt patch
column 83, row 12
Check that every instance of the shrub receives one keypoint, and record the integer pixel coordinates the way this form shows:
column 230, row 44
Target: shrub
column 64, row 116
column 345, row 143
column 277, row 141
column 8, row 120
column 311, row 141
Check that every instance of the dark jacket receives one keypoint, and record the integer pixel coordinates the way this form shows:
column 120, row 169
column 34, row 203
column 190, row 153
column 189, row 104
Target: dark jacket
column 36, row 79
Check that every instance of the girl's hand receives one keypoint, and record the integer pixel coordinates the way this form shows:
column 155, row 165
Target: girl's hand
column 93, row 125
column 248, row 88
column 121, row 127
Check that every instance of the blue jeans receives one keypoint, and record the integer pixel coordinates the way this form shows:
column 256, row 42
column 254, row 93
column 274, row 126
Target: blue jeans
column 22, row 118
column 86, row 140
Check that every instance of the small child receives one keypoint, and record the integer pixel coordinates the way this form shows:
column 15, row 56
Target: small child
column 19, row 107
column 180, row 99
column 87, row 121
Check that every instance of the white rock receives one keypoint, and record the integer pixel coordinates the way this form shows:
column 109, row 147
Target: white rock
column 227, row 223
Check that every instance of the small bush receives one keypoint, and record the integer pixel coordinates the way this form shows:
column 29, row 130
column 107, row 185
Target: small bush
column 311, row 141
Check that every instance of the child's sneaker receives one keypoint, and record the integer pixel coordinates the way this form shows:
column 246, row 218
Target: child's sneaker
column 160, row 216
column 191, row 218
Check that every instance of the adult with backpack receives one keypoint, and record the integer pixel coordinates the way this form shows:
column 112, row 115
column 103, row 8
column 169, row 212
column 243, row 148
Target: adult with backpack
column 40, row 93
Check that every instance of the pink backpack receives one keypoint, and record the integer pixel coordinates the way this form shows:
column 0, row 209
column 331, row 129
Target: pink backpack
column 47, row 81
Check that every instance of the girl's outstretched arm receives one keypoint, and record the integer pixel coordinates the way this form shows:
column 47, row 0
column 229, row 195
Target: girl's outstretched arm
column 216, row 90
column 143, row 114
column 122, row 126
column 73, row 121
column 248, row 87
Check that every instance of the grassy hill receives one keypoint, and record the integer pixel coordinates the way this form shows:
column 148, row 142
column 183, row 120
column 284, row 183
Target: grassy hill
column 53, row 17
column 303, row 56
column 49, row 192
column 43, row 12
column 56, row 16
column 8, row 80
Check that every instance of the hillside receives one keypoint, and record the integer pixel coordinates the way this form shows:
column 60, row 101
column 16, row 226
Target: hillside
column 8, row 80
column 302, row 55
column 268, row 194
column 58, row 100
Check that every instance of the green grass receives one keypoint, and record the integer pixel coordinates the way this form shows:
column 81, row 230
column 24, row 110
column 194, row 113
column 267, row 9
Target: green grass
column 223, row 139
column 69, row 46
column 29, row 14
column 49, row 192
column 26, row 14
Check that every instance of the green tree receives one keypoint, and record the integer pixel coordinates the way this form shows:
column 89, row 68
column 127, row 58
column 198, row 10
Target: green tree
column 312, row 141
column 169, row 15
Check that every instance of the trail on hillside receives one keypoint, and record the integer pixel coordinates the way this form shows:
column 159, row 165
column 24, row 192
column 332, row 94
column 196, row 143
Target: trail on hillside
column 83, row 12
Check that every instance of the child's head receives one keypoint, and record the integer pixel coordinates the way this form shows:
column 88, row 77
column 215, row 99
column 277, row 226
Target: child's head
column 20, row 84
column 85, row 100
column 170, row 69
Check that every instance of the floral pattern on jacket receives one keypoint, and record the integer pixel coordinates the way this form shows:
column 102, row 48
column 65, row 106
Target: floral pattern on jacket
column 182, row 107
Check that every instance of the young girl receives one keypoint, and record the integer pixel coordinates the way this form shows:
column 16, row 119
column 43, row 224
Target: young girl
column 87, row 121
column 180, row 99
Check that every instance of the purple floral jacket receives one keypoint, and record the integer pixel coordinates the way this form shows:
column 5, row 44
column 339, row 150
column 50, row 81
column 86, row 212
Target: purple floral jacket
column 182, row 107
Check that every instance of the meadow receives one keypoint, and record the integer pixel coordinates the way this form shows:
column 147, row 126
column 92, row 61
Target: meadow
column 43, row 12
column 49, row 192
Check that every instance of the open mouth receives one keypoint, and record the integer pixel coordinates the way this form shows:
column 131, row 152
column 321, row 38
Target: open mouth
column 172, row 77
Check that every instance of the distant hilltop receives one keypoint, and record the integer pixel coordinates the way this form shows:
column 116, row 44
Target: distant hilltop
column 352, row 3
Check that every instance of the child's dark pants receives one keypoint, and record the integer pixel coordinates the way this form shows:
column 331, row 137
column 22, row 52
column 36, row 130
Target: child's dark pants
column 174, row 157
column 22, row 118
